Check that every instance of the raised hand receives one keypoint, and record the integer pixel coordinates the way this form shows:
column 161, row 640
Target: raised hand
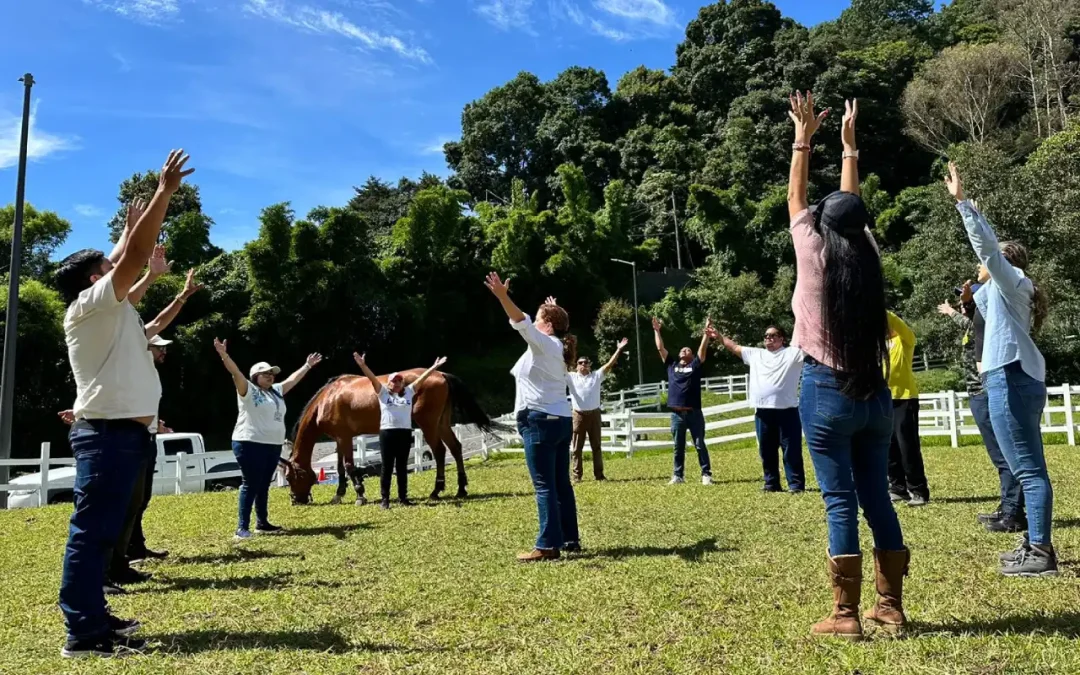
column 946, row 309
column 359, row 358
column 497, row 286
column 622, row 344
column 222, row 347
column 157, row 264
column 313, row 360
column 173, row 172
column 713, row 333
column 134, row 211
column 657, row 324
column 966, row 295
column 550, row 301
column 847, row 127
column 802, row 114
column 954, row 184
column 191, row 287
column 439, row 362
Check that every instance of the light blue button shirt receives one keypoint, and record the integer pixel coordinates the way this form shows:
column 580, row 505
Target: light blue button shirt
column 1005, row 301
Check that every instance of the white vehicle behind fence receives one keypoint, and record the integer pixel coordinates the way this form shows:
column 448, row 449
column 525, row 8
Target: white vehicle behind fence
column 183, row 465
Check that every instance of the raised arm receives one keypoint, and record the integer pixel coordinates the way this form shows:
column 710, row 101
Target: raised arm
column 238, row 378
column 158, row 267
column 730, row 345
column 707, row 334
column 849, row 171
column 656, row 326
column 615, row 357
column 424, row 375
column 902, row 330
column 361, row 361
column 134, row 211
column 806, row 124
column 139, row 243
column 501, row 290
column 162, row 321
column 294, row 379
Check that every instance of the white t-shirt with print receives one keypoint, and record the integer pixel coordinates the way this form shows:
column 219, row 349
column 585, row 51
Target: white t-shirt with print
column 540, row 372
column 115, row 376
column 395, row 412
column 262, row 416
column 585, row 390
column 774, row 376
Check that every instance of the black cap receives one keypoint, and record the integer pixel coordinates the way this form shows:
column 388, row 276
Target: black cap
column 842, row 212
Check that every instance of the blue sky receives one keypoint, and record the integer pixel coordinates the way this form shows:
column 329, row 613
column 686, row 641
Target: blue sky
column 286, row 100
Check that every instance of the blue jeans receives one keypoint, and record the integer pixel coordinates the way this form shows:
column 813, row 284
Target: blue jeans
column 780, row 428
column 694, row 422
column 257, row 461
column 547, row 454
column 109, row 455
column 1016, row 402
column 849, row 446
column 1012, row 494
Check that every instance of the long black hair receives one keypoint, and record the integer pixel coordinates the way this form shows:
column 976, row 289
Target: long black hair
column 853, row 306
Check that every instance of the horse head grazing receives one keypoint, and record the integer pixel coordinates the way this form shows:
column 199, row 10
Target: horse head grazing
column 300, row 482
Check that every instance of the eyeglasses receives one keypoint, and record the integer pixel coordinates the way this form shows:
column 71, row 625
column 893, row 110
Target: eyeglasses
column 583, row 363
column 770, row 336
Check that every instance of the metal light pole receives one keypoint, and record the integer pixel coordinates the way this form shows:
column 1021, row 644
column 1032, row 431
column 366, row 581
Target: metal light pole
column 11, row 324
column 637, row 321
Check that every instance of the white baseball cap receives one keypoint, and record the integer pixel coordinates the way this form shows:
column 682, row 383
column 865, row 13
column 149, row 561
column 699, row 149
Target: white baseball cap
column 393, row 376
column 263, row 367
column 158, row 341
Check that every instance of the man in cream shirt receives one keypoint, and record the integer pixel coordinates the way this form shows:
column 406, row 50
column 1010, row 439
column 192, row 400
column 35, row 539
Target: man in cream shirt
column 584, row 385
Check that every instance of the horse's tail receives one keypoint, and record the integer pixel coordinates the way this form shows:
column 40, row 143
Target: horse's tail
column 306, row 430
column 465, row 407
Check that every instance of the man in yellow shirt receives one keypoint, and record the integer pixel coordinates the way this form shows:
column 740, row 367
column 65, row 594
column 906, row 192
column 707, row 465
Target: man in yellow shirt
column 907, row 476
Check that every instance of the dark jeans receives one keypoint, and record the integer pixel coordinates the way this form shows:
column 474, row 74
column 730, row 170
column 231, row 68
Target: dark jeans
column 547, row 454
column 1016, row 402
column 108, row 455
column 257, row 461
column 694, row 422
column 394, row 447
column 907, row 475
column 778, row 428
column 1012, row 493
column 140, row 495
column 137, row 545
column 849, row 446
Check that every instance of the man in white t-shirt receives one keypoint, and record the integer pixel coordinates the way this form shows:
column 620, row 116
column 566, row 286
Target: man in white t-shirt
column 584, row 385
column 117, row 394
column 774, row 393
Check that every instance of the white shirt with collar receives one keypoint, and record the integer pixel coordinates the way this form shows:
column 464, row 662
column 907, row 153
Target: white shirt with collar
column 585, row 390
column 540, row 373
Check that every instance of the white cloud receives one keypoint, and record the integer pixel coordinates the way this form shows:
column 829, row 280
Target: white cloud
column 150, row 11
column 436, row 146
column 88, row 211
column 122, row 62
column 652, row 11
column 629, row 17
column 41, row 144
column 321, row 21
column 609, row 32
column 507, row 14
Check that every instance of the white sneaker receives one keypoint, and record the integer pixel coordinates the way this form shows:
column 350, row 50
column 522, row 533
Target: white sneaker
column 676, row 480
column 706, row 480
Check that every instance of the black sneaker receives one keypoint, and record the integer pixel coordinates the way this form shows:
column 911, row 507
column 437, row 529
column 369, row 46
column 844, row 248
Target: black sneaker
column 107, row 646
column 385, row 505
column 796, row 490
column 769, row 488
column 122, row 627
column 1012, row 556
column 894, row 497
column 1007, row 524
column 1033, row 562
column 985, row 518
column 267, row 528
column 127, row 575
column 147, row 554
column 405, row 501
column 109, row 588
column 571, row 547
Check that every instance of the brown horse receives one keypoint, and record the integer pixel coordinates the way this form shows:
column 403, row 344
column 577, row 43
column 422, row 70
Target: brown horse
column 347, row 407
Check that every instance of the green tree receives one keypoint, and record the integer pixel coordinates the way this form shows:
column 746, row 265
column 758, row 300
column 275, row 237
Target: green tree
column 43, row 232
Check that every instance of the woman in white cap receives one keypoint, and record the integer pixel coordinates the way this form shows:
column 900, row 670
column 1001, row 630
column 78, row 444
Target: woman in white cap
column 259, row 433
column 395, row 426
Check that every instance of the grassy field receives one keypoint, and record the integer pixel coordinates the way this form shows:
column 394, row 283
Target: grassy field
column 676, row 579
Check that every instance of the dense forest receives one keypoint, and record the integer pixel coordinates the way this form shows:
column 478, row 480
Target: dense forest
column 551, row 180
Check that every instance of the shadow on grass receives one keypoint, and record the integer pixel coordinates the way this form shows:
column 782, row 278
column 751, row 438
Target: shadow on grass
column 325, row 640
column 482, row 497
column 691, row 553
column 964, row 500
column 1065, row 624
column 234, row 556
column 245, row 583
column 1067, row 522
column 336, row 531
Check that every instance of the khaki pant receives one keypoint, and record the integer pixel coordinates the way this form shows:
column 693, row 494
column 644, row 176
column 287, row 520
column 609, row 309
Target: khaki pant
column 587, row 423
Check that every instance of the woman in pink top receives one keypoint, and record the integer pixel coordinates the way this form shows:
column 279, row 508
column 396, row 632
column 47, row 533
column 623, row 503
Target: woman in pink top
column 845, row 404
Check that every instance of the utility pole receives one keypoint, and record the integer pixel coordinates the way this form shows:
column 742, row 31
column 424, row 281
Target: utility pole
column 637, row 321
column 678, row 248
column 11, row 323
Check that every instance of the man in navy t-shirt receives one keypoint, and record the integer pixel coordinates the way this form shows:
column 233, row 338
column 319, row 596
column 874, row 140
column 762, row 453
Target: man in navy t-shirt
column 684, row 399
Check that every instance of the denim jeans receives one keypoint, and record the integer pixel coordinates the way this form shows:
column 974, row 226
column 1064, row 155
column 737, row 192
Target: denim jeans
column 547, row 454
column 257, row 461
column 1012, row 493
column 780, row 428
column 693, row 421
column 849, row 446
column 108, row 457
column 117, row 559
column 1016, row 402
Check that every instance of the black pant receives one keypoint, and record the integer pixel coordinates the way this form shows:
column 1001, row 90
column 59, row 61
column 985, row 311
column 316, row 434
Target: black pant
column 117, row 555
column 137, row 546
column 780, row 428
column 394, row 448
column 906, row 472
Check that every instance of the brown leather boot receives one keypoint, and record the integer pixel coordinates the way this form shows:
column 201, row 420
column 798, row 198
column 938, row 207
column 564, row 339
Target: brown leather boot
column 846, row 574
column 890, row 568
column 538, row 555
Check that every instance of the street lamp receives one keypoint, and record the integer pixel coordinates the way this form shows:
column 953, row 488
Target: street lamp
column 637, row 322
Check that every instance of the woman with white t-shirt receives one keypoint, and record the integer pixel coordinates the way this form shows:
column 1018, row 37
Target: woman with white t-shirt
column 543, row 418
column 395, row 426
column 259, row 433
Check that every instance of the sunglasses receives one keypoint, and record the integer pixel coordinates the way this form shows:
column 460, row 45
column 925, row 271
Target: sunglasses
column 769, row 336
column 583, row 363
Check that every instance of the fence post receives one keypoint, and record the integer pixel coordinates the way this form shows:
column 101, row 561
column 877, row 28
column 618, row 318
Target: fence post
column 181, row 457
column 630, row 434
column 730, row 387
column 1071, row 432
column 363, row 451
column 954, row 426
column 43, row 489
column 1047, row 420
column 418, row 452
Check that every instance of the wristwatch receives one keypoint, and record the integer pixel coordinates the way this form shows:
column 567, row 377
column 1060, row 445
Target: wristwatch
column 852, row 154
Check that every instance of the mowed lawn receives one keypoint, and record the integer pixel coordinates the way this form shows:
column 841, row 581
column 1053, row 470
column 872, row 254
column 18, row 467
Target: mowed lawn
column 675, row 579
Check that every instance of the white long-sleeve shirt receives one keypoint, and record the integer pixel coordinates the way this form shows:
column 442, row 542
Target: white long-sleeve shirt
column 540, row 373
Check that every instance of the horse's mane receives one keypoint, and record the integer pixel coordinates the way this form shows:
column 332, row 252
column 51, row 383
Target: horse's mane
column 311, row 401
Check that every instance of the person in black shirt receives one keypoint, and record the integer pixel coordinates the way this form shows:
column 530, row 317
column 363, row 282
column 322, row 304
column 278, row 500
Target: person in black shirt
column 1009, row 515
column 684, row 399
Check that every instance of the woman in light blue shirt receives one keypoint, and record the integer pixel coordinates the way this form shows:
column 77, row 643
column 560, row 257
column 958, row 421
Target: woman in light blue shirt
column 1014, row 375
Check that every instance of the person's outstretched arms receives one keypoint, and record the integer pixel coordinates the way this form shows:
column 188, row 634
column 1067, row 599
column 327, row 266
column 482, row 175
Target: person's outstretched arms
column 162, row 321
column 361, row 360
column 294, row 379
column 656, row 326
column 431, row 369
column 707, row 334
column 238, row 378
column 606, row 368
column 807, row 123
